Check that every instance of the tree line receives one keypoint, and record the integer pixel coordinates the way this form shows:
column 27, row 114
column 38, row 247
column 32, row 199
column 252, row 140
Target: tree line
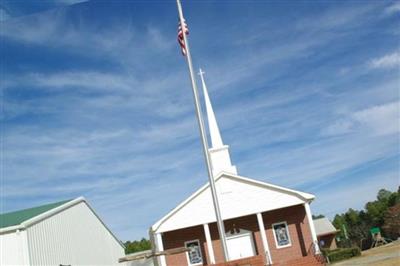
column 137, row 245
column 383, row 213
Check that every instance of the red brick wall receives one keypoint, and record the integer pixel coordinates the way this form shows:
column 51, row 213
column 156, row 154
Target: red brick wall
column 294, row 216
column 252, row 261
column 177, row 238
column 299, row 231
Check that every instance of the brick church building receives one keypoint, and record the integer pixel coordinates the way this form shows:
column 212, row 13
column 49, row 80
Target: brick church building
column 264, row 222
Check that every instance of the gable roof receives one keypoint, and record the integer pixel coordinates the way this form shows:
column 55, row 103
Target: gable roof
column 17, row 217
column 296, row 197
column 20, row 220
column 324, row 227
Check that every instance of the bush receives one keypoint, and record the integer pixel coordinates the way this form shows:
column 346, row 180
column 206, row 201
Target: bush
column 342, row 253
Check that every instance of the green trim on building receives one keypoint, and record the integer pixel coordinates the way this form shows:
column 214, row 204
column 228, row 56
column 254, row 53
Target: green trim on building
column 17, row 217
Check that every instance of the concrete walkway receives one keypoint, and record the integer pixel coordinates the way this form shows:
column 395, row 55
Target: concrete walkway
column 388, row 255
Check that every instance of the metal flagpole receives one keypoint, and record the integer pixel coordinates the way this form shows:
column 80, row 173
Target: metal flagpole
column 220, row 223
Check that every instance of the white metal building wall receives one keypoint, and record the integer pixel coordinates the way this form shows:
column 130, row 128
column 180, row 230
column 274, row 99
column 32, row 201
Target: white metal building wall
column 14, row 248
column 74, row 236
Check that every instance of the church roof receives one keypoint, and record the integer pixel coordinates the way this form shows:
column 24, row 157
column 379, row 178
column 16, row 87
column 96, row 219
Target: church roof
column 324, row 227
column 238, row 196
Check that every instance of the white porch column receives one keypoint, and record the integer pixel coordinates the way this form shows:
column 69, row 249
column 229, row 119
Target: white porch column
column 160, row 247
column 209, row 243
column 264, row 237
column 312, row 227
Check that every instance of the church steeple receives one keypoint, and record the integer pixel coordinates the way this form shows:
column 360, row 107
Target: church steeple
column 216, row 140
column 219, row 153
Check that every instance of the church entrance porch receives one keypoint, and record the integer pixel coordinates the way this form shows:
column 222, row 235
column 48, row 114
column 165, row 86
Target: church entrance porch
column 277, row 237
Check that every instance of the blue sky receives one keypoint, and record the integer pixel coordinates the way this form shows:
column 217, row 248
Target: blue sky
column 96, row 101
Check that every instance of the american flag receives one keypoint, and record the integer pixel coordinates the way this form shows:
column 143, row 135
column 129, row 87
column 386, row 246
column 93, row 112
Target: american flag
column 181, row 41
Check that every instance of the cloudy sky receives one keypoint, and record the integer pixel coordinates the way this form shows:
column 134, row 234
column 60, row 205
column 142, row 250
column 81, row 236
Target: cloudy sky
column 96, row 101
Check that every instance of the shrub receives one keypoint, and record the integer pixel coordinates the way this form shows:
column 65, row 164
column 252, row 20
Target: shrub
column 342, row 253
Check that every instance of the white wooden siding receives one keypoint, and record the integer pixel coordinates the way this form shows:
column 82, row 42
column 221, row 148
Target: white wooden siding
column 237, row 198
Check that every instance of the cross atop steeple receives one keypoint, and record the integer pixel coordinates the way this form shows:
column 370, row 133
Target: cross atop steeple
column 219, row 153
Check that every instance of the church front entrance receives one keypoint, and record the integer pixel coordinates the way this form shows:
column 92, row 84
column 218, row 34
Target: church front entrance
column 240, row 245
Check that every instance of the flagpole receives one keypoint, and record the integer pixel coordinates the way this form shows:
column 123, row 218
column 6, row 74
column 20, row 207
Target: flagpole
column 220, row 223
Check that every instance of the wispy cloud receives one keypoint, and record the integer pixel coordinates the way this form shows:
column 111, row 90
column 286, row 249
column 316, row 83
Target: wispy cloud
column 393, row 8
column 112, row 42
column 55, row 29
column 340, row 127
column 387, row 61
column 379, row 120
column 4, row 15
column 19, row 9
column 80, row 80
column 70, row 2
column 339, row 18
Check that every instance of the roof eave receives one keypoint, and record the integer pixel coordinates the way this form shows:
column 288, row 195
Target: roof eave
column 305, row 196
column 328, row 233
column 10, row 229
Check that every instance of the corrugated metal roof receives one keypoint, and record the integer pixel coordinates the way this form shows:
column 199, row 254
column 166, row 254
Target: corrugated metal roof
column 323, row 226
column 17, row 217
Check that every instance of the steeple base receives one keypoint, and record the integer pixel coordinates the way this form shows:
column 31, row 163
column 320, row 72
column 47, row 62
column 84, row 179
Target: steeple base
column 221, row 160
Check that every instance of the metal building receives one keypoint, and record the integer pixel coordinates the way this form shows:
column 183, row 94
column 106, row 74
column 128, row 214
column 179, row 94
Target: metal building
column 62, row 233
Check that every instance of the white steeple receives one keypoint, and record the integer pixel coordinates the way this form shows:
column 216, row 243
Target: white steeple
column 216, row 140
column 219, row 153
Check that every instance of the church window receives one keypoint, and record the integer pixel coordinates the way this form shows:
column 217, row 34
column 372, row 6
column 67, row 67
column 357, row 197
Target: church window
column 281, row 235
column 194, row 254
